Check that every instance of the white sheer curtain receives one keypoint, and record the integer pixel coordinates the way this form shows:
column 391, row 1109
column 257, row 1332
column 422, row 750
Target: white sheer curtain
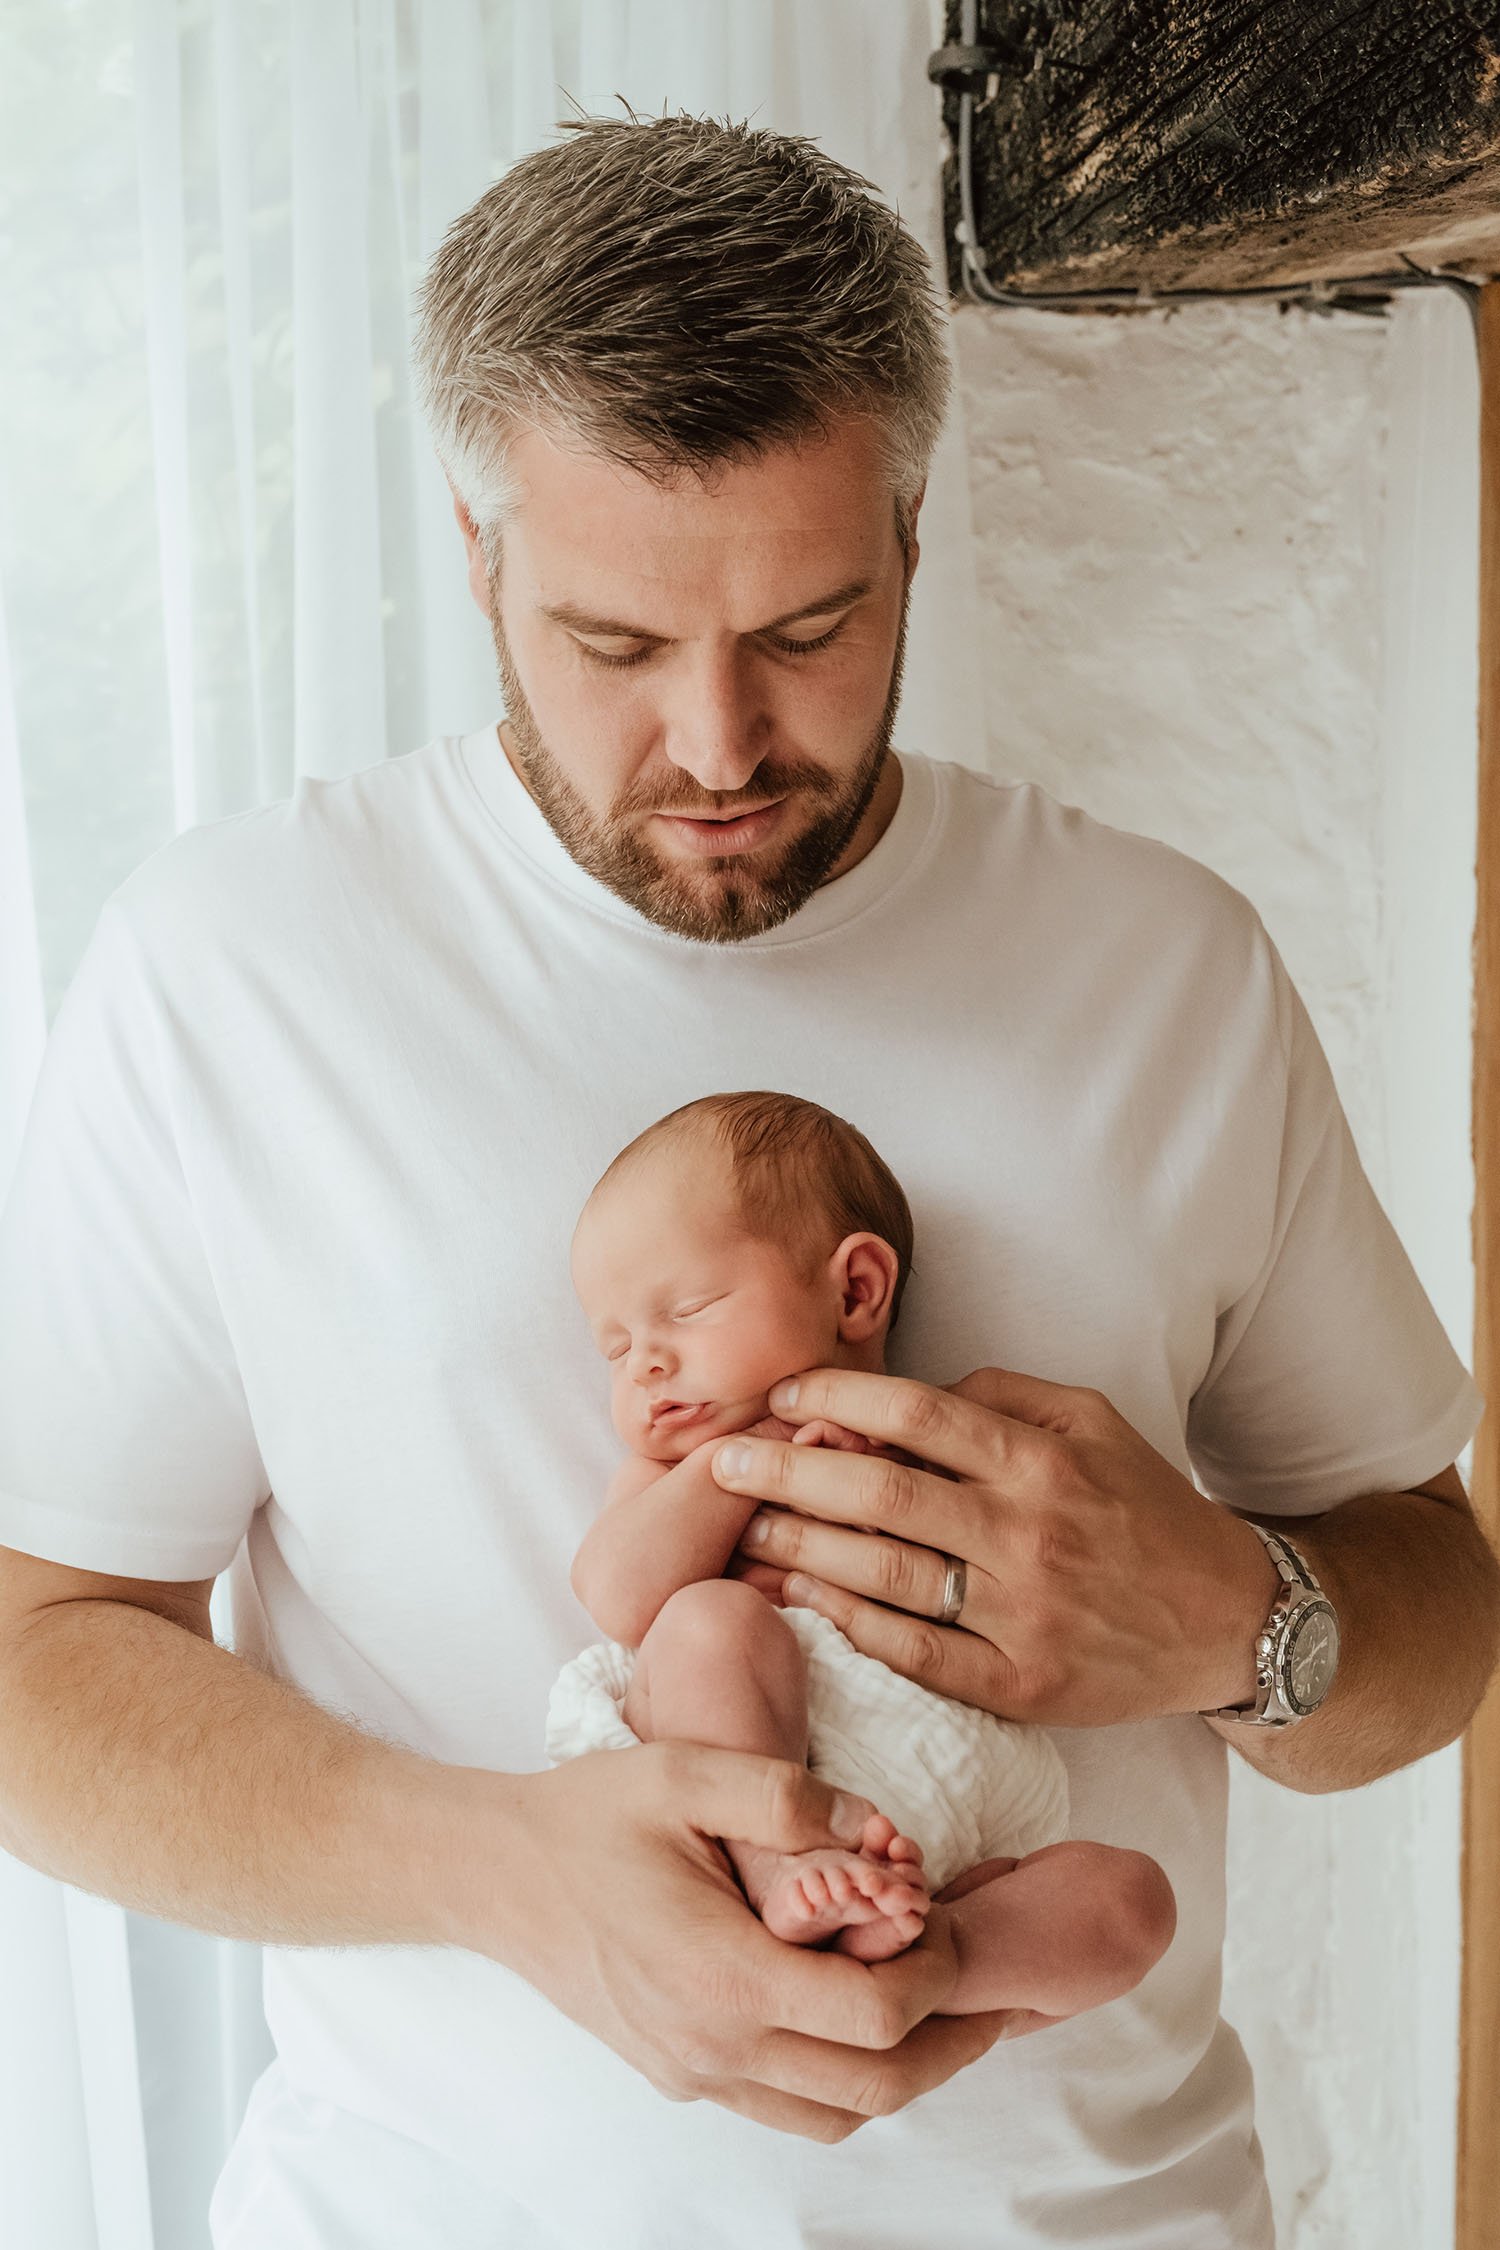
column 226, row 558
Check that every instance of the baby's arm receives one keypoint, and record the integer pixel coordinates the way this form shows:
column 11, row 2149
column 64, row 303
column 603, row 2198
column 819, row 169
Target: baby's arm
column 662, row 1526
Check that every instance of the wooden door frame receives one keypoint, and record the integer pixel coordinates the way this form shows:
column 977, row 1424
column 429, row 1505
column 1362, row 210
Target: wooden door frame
column 1478, row 2216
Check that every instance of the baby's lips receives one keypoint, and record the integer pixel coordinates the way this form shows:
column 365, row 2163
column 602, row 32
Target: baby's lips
column 679, row 1414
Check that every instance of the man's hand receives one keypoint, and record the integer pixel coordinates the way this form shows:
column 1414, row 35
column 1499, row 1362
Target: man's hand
column 1102, row 1585
column 621, row 1909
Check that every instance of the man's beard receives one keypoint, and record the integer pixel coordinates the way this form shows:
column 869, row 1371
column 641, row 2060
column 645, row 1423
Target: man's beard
column 716, row 900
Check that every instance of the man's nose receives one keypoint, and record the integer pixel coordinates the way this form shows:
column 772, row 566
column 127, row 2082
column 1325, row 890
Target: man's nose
column 717, row 727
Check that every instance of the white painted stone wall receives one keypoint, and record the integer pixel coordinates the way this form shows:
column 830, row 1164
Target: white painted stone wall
column 1227, row 597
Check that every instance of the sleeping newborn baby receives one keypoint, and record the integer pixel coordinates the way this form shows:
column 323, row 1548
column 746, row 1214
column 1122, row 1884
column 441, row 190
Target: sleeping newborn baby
column 742, row 1239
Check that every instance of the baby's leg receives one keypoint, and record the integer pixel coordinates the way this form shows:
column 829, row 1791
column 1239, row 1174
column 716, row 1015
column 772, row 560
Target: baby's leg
column 1065, row 1928
column 721, row 1665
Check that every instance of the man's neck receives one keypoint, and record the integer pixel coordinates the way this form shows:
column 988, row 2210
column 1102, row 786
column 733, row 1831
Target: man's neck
column 877, row 818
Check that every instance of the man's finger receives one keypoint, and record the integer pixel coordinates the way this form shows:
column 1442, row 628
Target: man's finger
column 785, row 2113
column 753, row 1799
column 900, row 1573
column 1058, row 1407
column 872, row 2085
column 971, row 1438
column 866, row 1489
column 762, row 1576
column 960, row 1661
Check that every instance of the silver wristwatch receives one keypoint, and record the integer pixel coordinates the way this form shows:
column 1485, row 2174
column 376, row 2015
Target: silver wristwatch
column 1297, row 1652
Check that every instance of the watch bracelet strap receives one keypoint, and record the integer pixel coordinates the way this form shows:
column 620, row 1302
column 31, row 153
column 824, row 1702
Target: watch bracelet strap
column 1293, row 1565
column 1293, row 1569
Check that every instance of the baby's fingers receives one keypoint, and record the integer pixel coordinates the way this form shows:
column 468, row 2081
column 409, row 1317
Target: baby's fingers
column 832, row 1434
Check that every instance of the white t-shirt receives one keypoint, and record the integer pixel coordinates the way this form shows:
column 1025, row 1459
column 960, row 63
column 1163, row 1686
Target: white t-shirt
column 283, row 1285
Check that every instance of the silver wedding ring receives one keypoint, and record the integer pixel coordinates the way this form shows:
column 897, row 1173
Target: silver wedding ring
column 954, row 1586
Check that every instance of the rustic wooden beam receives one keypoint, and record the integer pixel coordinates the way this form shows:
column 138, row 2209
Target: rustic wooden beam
column 1224, row 143
column 1479, row 2044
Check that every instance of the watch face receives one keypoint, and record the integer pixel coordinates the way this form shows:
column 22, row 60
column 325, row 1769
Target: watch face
column 1308, row 1666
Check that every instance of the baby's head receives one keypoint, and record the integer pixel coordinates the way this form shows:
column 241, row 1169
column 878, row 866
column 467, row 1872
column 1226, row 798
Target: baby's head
column 741, row 1239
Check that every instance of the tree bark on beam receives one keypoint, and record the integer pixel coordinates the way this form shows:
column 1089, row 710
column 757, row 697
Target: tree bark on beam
column 1219, row 143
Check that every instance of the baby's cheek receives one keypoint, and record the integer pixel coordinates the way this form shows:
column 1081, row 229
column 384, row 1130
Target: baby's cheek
column 626, row 1424
column 739, row 1371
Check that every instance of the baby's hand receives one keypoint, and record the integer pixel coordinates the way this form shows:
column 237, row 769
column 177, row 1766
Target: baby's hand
column 769, row 1425
column 853, row 1441
column 834, row 1434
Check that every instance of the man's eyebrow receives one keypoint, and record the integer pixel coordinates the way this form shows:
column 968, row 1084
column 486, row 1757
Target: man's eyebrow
column 579, row 621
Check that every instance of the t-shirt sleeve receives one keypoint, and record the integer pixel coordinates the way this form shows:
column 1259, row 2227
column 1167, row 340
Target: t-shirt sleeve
column 125, row 1441
column 1332, row 1375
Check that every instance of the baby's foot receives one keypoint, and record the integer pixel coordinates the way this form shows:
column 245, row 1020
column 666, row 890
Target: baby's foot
column 877, row 1895
column 867, row 1941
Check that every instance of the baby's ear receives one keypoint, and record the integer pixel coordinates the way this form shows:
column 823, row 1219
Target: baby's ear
column 866, row 1270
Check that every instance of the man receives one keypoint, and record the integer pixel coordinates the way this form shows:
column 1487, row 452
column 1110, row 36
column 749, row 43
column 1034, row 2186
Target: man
column 283, row 1284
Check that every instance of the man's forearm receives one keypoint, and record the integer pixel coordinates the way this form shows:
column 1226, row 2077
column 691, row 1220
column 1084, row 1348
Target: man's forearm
column 1417, row 1591
column 140, row 1761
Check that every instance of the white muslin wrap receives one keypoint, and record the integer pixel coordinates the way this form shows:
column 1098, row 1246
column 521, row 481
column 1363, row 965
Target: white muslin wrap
column 966, row 1785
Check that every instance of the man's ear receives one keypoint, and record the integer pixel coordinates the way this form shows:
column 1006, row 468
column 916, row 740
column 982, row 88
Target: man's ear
column 479, row 581
column 865, row 1268
column 913, row 547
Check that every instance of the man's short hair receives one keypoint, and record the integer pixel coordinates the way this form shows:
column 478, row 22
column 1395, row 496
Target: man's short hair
column 677, row 292
column 803, row 1177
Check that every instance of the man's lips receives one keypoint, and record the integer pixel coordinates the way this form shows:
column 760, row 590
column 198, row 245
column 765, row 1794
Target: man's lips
column 740, row 812
column 718, row 838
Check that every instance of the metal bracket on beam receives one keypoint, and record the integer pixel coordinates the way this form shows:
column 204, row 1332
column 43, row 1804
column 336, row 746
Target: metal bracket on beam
column 974, row 71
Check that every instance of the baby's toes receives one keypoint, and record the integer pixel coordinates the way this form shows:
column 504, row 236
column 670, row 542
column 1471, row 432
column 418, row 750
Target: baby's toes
column 883, row 1885
column 841, row 1898
column 830, row 1887
column 813, row 1884
column 879, row 1834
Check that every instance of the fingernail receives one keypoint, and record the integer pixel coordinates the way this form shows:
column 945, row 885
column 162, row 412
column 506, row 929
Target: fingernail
column 756, row 1532
column 797, row 1588
column 783, row 1394
column 848, row 1818
column 732, row 1460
